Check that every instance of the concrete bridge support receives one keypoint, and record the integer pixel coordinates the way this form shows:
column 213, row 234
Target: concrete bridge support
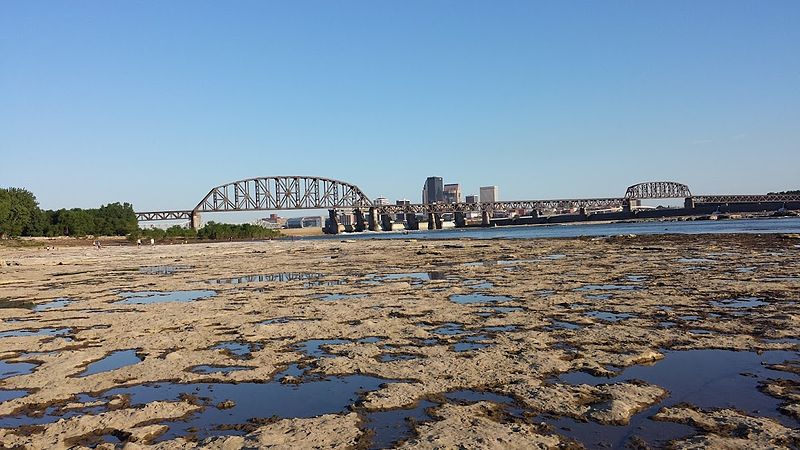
column 437, row 220
column 386, row 222
column 359, row 225
column 195, row 222
column 372, row 220
column 688, row 203
column 485, row 219
column 626, row 205
column 333, row 222
column 460, row 219
column 411, row 220
column 582, row 213
column 431, row 222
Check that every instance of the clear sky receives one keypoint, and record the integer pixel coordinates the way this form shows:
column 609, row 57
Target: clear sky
column 155, row 102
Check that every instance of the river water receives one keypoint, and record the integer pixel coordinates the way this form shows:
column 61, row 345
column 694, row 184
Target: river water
column 752, row 226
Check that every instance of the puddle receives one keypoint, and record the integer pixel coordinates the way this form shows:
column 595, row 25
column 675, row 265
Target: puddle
column 370, row 340
column 6, row 395
column 701, row 331
column 609, row 316
column 209, row 369
column 269, row 277
column 147, row 297
column 57, row 303
column 36, row 332
column 276, row 320
column 388, row 357
column 666, row 324
column 113, row 361
column 695, row 260
column 636, row 278
column 555, row 256
column 606, row 287
column 565, row 325
column 236, row 349
column 13, row 369
column 707, row 379
column 744, row 302
column 499, row 329
column 313, row 347
column 330, row 395
column 665, row 308
column 465, row 299
column 597, row 296
column 391, row 427
column 506, row 309
column 690, row 318
column 422, row 276
column 471, row 343
column 745, row 269
column 450, row 329
column 482, row 286
column 334, row 297
column 164, row 270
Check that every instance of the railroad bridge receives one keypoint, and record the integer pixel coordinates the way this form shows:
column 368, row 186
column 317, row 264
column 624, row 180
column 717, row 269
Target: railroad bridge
column 308, row 192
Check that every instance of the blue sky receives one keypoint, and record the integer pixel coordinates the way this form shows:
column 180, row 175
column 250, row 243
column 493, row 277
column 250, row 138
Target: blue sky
column 156, row 102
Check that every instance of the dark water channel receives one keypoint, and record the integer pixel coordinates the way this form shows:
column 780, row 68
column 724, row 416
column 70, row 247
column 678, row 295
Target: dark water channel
column 708, row 379
column 148, row 297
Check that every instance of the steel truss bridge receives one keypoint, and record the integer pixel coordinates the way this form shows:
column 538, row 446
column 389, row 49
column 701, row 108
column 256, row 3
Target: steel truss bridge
column 307, row 192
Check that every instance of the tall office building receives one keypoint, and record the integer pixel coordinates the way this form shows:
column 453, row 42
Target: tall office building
column 433, row 190
column 452, row 193
column 489, row 194
column 472, row 199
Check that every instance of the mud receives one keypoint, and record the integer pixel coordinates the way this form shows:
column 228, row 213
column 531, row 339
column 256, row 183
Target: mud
column 314, row 349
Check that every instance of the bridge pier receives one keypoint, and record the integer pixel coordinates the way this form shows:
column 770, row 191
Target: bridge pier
column 460, row 219
column 688, row 203
column 437, row 220
column 386, row 222
column 372, row 220
column 359, row 225
column 582, row 212
column 431, row 222
column 485, row 219
column 333, row 222
column 411, row 220
column 195, row 220
column 626, row 205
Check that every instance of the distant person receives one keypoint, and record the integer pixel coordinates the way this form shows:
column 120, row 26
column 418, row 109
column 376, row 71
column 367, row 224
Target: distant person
column 152, row 241
column 139, row 242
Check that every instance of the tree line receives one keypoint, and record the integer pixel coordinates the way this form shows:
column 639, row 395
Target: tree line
column 20, row 215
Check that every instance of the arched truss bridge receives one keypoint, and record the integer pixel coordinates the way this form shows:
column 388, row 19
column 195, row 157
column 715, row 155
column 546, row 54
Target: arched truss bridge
column 307, row 192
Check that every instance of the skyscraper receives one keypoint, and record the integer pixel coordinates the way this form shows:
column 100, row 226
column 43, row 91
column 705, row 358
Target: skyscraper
column 452, row 193
column 489, row 194
column 433, row 190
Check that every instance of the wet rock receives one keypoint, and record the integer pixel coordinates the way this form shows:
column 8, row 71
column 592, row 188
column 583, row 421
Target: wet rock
column 475, row 427
column 727, row 428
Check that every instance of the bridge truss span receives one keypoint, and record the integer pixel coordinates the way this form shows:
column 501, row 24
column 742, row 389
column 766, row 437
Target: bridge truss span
column 163, row 215
column 725, row 199
column 283, row 192
column 657, row 190
column 588, row 203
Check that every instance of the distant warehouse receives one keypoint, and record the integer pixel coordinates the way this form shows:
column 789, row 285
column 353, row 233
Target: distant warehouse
column 305, row 222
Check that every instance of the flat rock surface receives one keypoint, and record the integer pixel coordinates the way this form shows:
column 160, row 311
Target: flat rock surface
column 393, row 323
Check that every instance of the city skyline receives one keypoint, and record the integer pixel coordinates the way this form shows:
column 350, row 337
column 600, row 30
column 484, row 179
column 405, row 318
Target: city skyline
column 155, row 105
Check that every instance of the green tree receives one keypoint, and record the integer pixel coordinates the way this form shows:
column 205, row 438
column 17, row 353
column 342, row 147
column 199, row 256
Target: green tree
column 19, row 210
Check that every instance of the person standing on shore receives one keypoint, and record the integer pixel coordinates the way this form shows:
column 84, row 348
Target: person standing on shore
column 139, row 242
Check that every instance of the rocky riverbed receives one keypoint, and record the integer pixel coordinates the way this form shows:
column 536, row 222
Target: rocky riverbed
column 651, row 341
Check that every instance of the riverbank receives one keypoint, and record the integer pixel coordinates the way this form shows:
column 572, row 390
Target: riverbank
column 523, row 342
